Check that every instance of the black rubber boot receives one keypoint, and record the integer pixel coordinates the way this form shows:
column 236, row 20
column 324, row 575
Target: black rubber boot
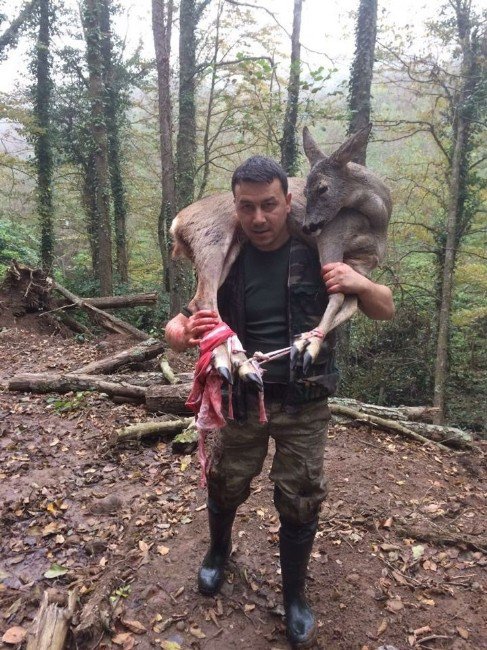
column 296, row 543
column 211, row 573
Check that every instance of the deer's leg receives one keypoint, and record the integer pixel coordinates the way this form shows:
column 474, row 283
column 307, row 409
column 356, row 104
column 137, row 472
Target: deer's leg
column 228, row 358
column 339, row 309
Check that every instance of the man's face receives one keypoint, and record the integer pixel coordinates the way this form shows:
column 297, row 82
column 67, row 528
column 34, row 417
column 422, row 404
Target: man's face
column 262, row 210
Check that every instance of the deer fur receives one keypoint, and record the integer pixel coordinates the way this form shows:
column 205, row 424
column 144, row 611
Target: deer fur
column 342, row 208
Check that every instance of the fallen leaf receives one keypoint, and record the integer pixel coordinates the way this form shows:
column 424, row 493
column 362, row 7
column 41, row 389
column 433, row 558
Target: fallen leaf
column 382, row 627
column 170, row 645
column 134, row 626
column 463, row 632
column 249, row 608
column 144, row 547
column 429, row 565
column 394, row 605
column 50, row 529
column 195, row 631
column 14, row 635
column 387, row 523
column 122, row 639
column 162, row 550
column 418, row 551
column 55, row 571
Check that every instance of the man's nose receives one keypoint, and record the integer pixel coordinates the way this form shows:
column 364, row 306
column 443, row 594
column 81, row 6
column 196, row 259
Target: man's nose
column 259, row 215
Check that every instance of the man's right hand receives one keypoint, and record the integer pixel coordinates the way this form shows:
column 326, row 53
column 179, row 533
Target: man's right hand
column 183, row 332
column 198, row 324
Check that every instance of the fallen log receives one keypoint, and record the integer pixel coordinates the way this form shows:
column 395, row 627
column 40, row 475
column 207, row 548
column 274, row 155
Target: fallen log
column 51, row 624
column 168, row 399
column 414, row 413
column 120, row 302
column 141, row 352
column 46, row 382
column 108, row 321
column 166, row 427
column 389, row 425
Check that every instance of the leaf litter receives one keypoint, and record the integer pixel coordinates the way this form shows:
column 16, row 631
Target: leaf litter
column 399, row 559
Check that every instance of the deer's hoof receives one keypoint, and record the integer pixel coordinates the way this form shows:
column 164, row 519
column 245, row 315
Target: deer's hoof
column 307, row 362
column 253, row 378
column 225, row 374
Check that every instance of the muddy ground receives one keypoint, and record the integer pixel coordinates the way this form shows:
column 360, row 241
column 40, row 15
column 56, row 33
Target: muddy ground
column 399, row 560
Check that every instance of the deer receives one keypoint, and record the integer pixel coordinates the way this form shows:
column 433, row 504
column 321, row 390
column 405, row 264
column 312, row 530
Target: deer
column 342, row 208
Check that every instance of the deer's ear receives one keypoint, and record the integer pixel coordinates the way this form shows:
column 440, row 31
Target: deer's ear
column 311, row 149
column 346, row 152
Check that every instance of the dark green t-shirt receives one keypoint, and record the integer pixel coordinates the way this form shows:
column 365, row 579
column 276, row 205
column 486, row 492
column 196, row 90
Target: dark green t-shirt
column 266, row 306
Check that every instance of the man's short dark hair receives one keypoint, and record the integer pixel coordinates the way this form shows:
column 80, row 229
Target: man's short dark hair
column 259, row 169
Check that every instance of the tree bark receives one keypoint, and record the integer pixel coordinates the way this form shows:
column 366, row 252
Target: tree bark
column 289, row 145
column 162, row 12
column 389, row 425
column 141, row 352
column 168, row 427
column 98, row 127
column 120, row 302
column 362, row 70
column 46, row 382
column 464, row 114
column 113, row 109
column 108, row 321
column 51, row 623
column 168, row 399
column 43, row 148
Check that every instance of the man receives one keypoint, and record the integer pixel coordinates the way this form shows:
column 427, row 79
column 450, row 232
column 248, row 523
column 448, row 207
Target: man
column 274, row 291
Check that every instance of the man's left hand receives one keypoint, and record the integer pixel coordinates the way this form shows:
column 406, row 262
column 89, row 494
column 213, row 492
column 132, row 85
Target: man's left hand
column 341, row 278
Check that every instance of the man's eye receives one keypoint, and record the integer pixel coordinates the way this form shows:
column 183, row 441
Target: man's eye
column 269, row 206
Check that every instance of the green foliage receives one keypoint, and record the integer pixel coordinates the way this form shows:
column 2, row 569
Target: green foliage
column 67, row 404
column 17, row 242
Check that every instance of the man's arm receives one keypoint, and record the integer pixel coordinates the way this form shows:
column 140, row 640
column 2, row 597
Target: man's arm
column 375, row 300
column 183, row 332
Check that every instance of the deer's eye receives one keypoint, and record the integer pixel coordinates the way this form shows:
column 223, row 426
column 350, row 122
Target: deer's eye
column 322, row 189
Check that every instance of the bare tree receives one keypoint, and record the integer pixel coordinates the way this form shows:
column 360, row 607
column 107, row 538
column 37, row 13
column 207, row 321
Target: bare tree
column 289, row 145
column 43, row 137
column 361, row 72
column 162, row 16
column 98, row 127
column 468, row 99
column 112, row 115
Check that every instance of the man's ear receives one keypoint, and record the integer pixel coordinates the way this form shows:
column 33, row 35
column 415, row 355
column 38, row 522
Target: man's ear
column 289, row 197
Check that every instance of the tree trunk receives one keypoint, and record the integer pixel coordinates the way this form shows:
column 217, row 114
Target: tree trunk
column 361, row 72
column 113, row 111
column 162, row 11
column 98, row 127
column 43, row 150
column 89, row 203
column 289, row 145
column 464, row 107
column 141, row 352
column 181, row 275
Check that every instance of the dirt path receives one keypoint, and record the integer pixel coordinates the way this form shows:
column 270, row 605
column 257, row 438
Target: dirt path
column 385, row 572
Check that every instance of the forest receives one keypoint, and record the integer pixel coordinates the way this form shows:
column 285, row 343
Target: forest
column 102, row 144
column 114, row 117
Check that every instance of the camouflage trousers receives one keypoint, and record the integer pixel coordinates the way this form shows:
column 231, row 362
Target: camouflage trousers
column 297, row 466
